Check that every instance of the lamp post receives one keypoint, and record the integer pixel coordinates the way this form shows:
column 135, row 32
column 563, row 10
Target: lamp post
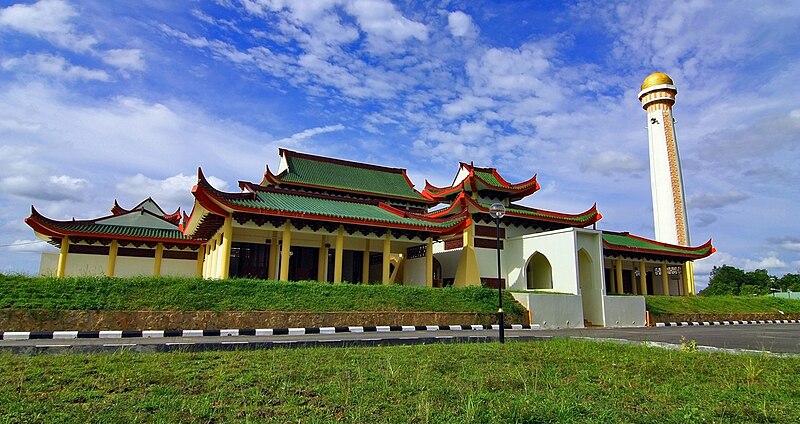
column 497, row 212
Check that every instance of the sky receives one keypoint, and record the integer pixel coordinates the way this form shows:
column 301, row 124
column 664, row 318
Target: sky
column 119, row 100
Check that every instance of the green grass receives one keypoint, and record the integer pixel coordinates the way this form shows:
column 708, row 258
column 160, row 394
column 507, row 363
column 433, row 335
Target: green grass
column 560, row 381
column 158, row 294
column 720, row 304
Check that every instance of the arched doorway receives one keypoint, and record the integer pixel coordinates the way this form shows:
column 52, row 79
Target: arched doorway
column 539, row 273
column 591, row 289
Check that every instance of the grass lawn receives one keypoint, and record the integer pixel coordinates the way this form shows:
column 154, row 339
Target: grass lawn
column 565, row 381
column 192, row 294
column 720, row 304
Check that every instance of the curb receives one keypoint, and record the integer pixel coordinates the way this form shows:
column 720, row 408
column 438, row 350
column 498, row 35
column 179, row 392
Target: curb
column 686, row 324
column 123, row 334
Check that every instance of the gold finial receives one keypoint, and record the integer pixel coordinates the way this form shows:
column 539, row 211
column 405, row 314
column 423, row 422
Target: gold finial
column 656, row 78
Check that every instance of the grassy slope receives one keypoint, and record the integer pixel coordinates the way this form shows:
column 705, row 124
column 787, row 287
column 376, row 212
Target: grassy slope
column 720, row 304
column 238, row 295
column 555, row 381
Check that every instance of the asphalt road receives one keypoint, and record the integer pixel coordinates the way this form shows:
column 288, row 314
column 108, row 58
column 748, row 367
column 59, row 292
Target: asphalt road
column 776, row 338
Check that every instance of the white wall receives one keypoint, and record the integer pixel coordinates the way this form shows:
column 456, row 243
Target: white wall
column 553, row 310
column 559, row 247
column 48, row 264
column 414, row 272
column 82, row 264
column 448, row 260
column 178, row 267
column 127, row 266
column 487, row 262
column 624, row 311
column 590, row 274
column 130, row 266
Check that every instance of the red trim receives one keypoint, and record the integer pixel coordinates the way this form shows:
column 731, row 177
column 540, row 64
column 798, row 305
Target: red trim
column 516, row 191
column 203, row 197
column 441, row 193
column 270, row 178
column 457, row 203
column 117, row 209
column 174, row 217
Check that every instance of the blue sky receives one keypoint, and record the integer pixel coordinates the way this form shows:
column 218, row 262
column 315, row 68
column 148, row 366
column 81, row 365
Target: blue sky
column 105, row 100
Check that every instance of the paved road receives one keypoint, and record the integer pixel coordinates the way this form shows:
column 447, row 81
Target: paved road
column 777, row 338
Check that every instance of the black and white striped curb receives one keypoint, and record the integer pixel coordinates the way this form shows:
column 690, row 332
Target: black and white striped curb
column 123, row 334
column 686, row 324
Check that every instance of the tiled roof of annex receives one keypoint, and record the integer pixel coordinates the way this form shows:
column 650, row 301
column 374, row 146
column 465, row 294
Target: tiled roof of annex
column 137, row 224
column 291, row 203
column 481, row 179
column 626, row 242
column 522, row 213
column 337, row 175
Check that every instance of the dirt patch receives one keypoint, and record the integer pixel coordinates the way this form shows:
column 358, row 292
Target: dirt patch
column 721, row 317
column 66, row 320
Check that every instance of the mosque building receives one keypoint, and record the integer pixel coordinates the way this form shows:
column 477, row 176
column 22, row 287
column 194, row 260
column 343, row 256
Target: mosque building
column 332, row 220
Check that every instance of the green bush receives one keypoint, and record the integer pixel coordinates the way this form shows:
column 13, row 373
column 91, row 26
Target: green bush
column 720, row 304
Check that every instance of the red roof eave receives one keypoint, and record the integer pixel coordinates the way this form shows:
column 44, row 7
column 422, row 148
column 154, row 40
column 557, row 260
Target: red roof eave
column 556, row 217
column 690, row 252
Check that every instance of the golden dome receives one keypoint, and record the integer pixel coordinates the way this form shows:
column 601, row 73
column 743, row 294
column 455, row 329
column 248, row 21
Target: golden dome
column 656, row 78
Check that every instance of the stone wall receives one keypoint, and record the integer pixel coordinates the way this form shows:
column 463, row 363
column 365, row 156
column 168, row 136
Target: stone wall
column 67, row 320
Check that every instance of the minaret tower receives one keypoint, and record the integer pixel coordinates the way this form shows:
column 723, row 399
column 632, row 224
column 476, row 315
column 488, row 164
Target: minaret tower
column 669, row 208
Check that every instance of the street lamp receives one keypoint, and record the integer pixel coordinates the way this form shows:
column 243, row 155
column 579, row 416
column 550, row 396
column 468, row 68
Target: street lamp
column 497, row 212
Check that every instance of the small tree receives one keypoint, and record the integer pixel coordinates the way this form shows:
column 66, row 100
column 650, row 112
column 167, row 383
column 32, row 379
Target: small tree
column 725, row 280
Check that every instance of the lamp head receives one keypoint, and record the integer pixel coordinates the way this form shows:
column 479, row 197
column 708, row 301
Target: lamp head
column 497, row 210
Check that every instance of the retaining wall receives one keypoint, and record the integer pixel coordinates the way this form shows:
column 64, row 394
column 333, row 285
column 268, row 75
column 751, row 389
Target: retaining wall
column 66, row 320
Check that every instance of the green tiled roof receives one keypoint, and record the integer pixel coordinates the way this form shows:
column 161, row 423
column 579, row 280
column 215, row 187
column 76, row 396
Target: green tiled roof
column 544, row 214
column 489, row 178
column 627, row 241
column 290, row 203
column 349, row 176
column 120, row 230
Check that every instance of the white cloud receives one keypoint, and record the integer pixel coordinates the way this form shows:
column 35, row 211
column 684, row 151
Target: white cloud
column 787, row 243
column 460, row 24
column 308, row 133
column 703, row 219
column 109, row 138
column 379, row 18
column 52, row 188
column 47, row 19
column 56, row 66
column 715, row 200
column 169, row 192
column 124, row 59
column 466, row 105
column 503, row 72
column 611, row 162
column 30, row 246
column 770, row 262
